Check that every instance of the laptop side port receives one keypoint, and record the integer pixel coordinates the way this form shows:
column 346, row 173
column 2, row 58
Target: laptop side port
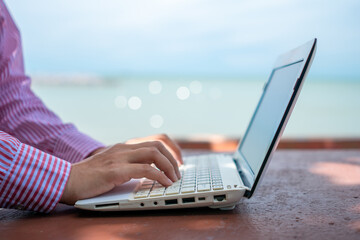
column 202, row 198
column 188, row 200
column 219, row 198
column 106, row 205
column 171, row 202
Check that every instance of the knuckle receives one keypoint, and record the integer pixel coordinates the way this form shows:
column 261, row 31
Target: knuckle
column 153, row 151
column 146, row 169
column 157, row 144
column 163, row 136
column 110, row 163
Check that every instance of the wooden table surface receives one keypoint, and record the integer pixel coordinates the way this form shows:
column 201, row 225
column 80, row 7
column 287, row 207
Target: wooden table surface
column 312, row 194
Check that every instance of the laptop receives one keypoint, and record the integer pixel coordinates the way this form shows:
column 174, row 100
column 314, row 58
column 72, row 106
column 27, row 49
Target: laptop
column 222, row 180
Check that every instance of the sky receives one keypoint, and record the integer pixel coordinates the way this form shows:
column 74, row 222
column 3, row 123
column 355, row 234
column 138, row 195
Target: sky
column 188, row 37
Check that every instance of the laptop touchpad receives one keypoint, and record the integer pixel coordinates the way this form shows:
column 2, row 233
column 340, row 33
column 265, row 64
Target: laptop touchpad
column 121, row 192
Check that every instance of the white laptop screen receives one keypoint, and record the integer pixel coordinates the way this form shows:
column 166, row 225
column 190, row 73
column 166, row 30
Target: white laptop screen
column 268, row 115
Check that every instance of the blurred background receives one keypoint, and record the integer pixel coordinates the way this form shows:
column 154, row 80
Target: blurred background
column 193, row 69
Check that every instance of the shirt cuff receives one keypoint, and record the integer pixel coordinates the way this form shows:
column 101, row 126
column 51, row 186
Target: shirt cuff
column 74, row 146
column 35, row 180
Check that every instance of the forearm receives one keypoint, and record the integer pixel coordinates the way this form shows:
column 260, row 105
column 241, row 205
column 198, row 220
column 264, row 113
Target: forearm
column 29, row 178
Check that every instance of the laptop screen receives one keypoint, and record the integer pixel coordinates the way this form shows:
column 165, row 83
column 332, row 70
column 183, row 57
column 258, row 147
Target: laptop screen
column 268, row 115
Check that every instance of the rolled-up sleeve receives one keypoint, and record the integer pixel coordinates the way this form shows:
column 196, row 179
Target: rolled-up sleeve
column 22, row 114
column 29, row 178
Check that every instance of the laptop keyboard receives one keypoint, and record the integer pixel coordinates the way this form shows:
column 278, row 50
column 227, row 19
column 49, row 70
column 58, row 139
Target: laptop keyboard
column 199, row 174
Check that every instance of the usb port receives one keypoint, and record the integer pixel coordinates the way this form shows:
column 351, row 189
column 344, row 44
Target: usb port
column 219, row 198
column 188, row 200
column 171, row 202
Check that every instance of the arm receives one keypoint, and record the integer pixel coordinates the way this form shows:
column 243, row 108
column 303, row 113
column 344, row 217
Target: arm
column 34, row 180
column 23, row 114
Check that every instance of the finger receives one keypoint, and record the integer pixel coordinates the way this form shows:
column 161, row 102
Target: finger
column 170, row 158
column 172, row 146
column 153, row 155
column 145, row 170
column 168, row 155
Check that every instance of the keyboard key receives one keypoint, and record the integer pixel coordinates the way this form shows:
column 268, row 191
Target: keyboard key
column 188, row 180
column 187, row 189
column 203, row 176
column 172, row 191
column 177, row 183
column 188, row 185
column 141, row 194
column 203, row 187
column 204, row 181
column 216, row 181
column 218, row 187
column 157, row 192
column 174, row 187
column 193, row 183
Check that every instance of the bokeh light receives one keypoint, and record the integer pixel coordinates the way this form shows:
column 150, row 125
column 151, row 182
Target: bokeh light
column 183, row 93
column 156, row 121
column 134, row 103
column 155, row 87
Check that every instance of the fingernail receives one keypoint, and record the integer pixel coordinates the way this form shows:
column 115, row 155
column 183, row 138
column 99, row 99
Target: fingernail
column 175, row 178
column 169, row 182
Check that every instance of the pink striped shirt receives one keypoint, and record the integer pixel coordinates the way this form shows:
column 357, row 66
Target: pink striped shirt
column 36, row 147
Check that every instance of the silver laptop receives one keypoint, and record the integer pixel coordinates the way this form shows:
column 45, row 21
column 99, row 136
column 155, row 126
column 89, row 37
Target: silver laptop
column 221, row 180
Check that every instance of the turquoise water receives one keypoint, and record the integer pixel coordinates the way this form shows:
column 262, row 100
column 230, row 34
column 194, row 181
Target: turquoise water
column 197, row 108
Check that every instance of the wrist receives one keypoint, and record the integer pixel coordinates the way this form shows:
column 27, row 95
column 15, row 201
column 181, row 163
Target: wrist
column 68, row 195
column 96, row 151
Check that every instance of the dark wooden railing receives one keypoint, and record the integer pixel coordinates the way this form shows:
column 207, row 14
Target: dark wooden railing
column 286, row 143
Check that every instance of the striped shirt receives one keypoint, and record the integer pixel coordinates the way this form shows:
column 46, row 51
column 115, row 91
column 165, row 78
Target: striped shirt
column 36, row 147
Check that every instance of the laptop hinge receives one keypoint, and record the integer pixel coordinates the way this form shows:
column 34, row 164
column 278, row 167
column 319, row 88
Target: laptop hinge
column 245, row 173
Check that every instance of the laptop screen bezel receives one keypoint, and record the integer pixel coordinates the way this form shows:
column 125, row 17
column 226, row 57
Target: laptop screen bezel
column 303, row 55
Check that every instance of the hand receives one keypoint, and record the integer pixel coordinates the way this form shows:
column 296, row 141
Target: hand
column 170, row 145
column 118, row 164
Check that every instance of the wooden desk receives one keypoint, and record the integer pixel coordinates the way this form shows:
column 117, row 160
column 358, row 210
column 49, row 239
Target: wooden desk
column 305, row 194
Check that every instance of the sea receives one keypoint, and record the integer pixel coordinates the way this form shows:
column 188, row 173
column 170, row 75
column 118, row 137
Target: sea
column 114, row 109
